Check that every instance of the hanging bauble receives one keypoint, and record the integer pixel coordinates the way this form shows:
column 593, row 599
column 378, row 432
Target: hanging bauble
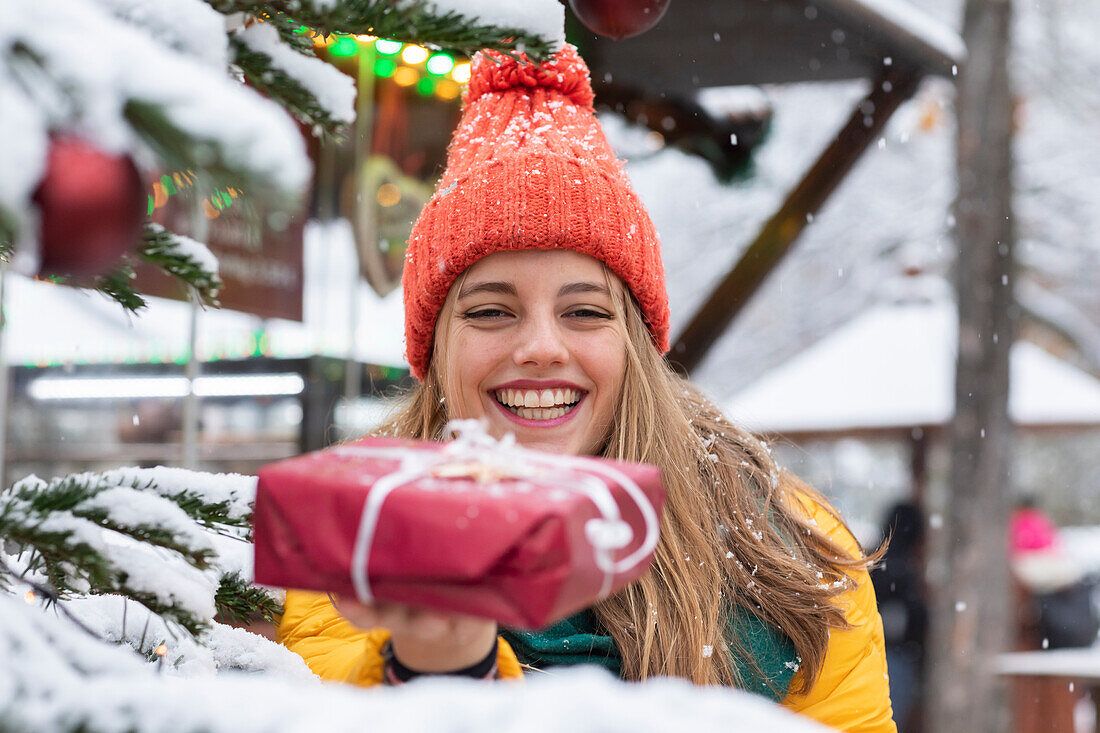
column 91, row 204
column 619, row 19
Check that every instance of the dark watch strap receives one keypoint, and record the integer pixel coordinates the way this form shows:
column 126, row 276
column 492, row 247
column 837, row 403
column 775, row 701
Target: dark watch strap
column 396, row 673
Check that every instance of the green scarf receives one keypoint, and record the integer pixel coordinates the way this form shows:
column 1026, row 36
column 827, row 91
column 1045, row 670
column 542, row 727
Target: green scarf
column 579, row 640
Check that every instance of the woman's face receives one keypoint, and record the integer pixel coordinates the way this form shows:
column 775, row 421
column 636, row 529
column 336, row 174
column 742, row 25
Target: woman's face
column 535, row 345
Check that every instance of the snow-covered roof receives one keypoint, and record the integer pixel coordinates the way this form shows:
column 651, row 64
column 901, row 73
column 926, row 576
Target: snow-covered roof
column 908, row 25
column 49, row 324
column 894, row 366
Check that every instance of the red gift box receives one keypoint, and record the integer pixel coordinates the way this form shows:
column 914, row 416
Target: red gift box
column 472, row 526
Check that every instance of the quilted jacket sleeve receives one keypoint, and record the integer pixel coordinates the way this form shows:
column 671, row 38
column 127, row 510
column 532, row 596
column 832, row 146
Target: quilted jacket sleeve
column 337, row 651
column 852, row 692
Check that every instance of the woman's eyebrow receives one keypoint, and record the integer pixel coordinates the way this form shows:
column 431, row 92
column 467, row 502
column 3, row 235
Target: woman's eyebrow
column 498, row 286
column 583, row 287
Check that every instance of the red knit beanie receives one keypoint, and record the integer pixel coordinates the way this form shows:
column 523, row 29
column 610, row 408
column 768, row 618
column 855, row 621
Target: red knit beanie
column 528, row 168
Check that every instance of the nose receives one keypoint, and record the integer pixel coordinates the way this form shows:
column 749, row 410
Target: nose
column 540, row 342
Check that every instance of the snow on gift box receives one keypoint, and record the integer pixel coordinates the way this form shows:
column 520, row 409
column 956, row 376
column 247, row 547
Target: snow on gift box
column 473, row 526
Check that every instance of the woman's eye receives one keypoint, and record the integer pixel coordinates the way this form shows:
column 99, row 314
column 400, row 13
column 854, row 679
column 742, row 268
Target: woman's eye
column 484, row 314
column 589, row 313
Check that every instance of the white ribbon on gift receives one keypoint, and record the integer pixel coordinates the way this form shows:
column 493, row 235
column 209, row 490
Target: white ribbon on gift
column 504, row 459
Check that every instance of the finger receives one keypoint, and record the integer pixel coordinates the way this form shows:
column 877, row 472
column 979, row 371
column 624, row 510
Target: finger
column 392, row 615
column 356, row 613
column 429, row 626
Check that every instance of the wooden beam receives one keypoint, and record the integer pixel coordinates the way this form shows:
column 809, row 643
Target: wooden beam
column 866, row 123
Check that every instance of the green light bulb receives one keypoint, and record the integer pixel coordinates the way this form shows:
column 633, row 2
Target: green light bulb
column 344, row 47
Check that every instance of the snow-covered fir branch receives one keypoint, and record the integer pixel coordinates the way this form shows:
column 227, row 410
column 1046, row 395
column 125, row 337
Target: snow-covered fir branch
column 156, row 543
column 315, row 92
column 535, row 27
column 183, row 258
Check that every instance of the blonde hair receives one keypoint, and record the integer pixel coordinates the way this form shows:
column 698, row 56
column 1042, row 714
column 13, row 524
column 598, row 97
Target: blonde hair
column 734, row 530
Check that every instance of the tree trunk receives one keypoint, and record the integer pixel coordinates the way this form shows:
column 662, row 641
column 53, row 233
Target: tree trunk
column 973, row 619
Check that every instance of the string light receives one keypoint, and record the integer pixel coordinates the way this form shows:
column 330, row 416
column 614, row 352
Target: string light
column 344, row 46
column 414, row 54
column 461, row 72
column 440, row 64
column 387, row 47
column 406, row 76
column 425, row 86
column 384, row 68
column 29, row 596
column 447, row 89
column 388, row 195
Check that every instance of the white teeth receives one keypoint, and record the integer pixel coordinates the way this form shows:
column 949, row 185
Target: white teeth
column 545, row 404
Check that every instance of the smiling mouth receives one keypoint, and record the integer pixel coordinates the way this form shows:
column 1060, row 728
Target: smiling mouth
column 539, row 404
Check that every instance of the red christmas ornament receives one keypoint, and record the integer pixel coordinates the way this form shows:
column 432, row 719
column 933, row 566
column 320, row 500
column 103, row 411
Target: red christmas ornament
column 619, row 19
column 91, row 205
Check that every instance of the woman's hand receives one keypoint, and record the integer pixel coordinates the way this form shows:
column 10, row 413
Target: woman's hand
column 424, row 640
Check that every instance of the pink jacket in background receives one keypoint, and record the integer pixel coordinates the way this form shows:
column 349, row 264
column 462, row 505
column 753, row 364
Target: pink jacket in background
column 1030, row 530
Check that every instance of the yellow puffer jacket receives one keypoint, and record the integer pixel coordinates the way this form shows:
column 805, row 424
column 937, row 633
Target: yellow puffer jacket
column 851, row 692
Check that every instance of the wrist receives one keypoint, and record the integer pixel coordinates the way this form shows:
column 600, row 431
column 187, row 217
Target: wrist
column 443, row 656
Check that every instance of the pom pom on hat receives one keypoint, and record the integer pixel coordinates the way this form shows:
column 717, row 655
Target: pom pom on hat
column 566, row 73
column 529, row 168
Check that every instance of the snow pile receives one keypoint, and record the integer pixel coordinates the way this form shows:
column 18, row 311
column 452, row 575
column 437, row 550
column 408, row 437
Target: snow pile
column 54, row 677
column 188, row 26
column 334, row 90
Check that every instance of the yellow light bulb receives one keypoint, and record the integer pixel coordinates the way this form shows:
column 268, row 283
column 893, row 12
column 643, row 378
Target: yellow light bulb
column 406, row 76
column 414, row 55
column 447, row 89
column 388, row 194
column 161, row 650
column 29, row 596
column 461, row 72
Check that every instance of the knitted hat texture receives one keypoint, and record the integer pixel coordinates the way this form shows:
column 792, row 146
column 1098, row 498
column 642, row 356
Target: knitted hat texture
column 528, row 168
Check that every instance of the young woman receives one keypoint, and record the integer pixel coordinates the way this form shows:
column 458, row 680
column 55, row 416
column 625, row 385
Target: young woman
column 535, row 299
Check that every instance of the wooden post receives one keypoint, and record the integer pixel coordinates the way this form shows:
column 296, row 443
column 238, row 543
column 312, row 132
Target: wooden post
column 971, row 625
column 868, row 119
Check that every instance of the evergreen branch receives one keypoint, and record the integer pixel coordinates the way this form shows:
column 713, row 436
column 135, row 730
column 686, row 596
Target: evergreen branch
column 409, row 21
column 214, row 516
column 181, row 151
column 168, row 252
column 57, row 520
column 197, row 557
column 117, row 285
column 239, row 601
column 294, row 34
column 273, row 81
column 47, row 593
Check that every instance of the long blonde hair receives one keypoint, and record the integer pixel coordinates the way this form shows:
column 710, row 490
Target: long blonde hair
column 733, row 533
